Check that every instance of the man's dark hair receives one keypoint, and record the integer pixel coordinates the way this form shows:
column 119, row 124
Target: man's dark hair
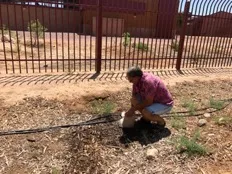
column 134, row 72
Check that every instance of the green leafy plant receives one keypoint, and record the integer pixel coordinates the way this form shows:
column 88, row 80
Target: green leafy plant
column 190, row 106
column 126, row 39
column 216, row 104
column 37, row 30
column 141, row 46
column 175, row 46
column 190, row 145
column 178, row 122
column 102, row 107
column 5, row 30
column 223, row 120
column 55, row 171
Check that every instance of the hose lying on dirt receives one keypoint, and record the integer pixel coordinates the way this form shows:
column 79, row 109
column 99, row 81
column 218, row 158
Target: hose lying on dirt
column 111, row 118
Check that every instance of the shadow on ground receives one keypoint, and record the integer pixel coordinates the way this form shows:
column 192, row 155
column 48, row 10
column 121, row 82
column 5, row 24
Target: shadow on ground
column 144, row 133
column 17, row 80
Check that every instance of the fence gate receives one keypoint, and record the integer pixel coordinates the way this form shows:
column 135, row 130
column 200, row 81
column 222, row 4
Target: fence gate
column 109, row 35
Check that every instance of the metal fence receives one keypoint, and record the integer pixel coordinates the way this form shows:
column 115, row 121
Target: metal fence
column 110, row 35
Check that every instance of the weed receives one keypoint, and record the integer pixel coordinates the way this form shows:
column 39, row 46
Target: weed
column 37, row 29
column 11, row 34
column 216, row 104
column 190, row 145
column 178, row 122
column 126, row 38
column 196, row 135
column 102, row 107
column 141, row 46
column 190, row 106
column 55, row 171
column 224, row 120
column 175, row 46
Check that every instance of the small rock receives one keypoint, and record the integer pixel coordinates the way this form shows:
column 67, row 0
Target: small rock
column 211, row 135
column 207, row 115
column 151, row 153
column 202, row 122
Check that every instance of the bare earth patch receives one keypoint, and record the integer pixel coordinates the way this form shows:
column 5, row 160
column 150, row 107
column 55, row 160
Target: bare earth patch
column 105, row 148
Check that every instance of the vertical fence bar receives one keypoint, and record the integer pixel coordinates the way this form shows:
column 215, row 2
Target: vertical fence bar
column 50, row 37
column 196, row 41
column 152, row 33
column 84, row 31
column 74, row 35
column 62, row 36
column 68, row 11
column 174, row 36
column 140, row 22
column 57, row 61
column 182, row 36
column 79, row 39
column 120, row 50
column 214, row 54
column 219, row 39
column 99, row 36
column 166, row 32
column 106, row 42
column 129, row 57
column 91, row 14
column 203, row 38
column 44, row 41
column 178, row 24
column 4, row 47
column 10, row 35
column 116, row 43
column 111, row 38
column 31, row 44
column 156, row 39
column 124, row 43
column 228, row 50
column 159, row 34
column 225, row 37
column 17, row 40
column 209, row 28
column 147, row 37
column 24, row 37
column 37, row 37
column 134, row 42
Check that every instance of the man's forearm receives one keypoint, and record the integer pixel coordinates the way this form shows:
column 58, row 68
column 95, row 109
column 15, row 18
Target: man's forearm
column 140, row 106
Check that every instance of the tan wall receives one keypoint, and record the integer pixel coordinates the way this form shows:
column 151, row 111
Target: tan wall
column 136, row 24
column 47, row 16
column 152, row 23
column 159, row 19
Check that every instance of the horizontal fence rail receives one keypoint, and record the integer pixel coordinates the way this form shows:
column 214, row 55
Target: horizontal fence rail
column 109, row 35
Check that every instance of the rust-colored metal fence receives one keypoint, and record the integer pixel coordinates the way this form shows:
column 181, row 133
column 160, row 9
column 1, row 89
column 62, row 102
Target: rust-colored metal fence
column 109, row 35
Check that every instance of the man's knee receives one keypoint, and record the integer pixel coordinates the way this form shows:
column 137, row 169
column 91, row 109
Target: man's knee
column 146, row 113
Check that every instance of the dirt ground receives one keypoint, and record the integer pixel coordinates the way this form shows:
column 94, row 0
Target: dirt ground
column 36, row 101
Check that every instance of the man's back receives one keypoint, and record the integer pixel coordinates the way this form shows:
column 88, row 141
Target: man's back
column 150, row 85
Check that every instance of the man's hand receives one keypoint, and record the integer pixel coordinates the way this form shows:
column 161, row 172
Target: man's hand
column 130, row 113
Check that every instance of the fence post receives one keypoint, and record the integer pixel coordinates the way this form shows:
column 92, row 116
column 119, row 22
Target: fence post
column 182, row 35
column 99, row 36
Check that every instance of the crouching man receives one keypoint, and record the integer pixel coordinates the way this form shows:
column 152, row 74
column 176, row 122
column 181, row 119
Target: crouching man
column 150, row 96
